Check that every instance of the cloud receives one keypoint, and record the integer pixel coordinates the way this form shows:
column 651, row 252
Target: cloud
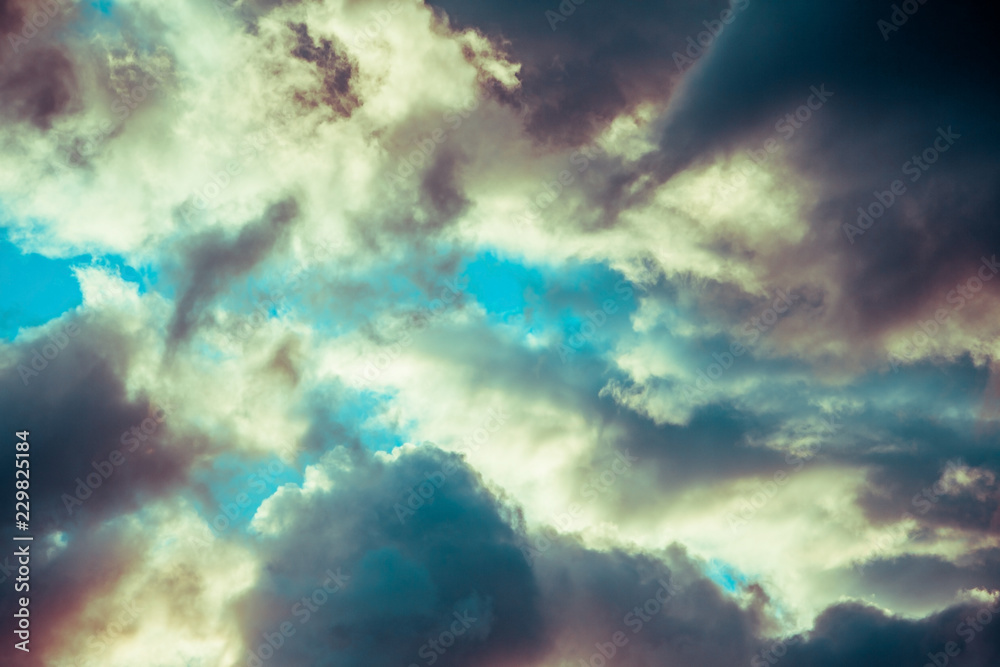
column 600, row 362
column 213, row 261
column 101, row 452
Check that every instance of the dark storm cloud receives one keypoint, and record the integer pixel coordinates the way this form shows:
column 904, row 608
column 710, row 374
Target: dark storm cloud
column 904, row 89
column 397, row 568
column 460, row 550
column 66, row 583
column 592, row 63
column 924, row 580
column 854, row 634
column 913, row 461
column 905, row 454
column 662, row 609
column 212, row 259
column 909, row 486
column 404, row 567
column 11, row 16
column 335, row 67
column 83, row 425
column 410, row 574
column 929, row 87
column 38, row 79
column 713, row 446
column 38, row 88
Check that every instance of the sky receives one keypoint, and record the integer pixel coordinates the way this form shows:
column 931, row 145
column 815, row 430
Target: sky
column 500, row 334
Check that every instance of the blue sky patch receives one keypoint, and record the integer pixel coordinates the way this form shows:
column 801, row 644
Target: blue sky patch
column 37, row 289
